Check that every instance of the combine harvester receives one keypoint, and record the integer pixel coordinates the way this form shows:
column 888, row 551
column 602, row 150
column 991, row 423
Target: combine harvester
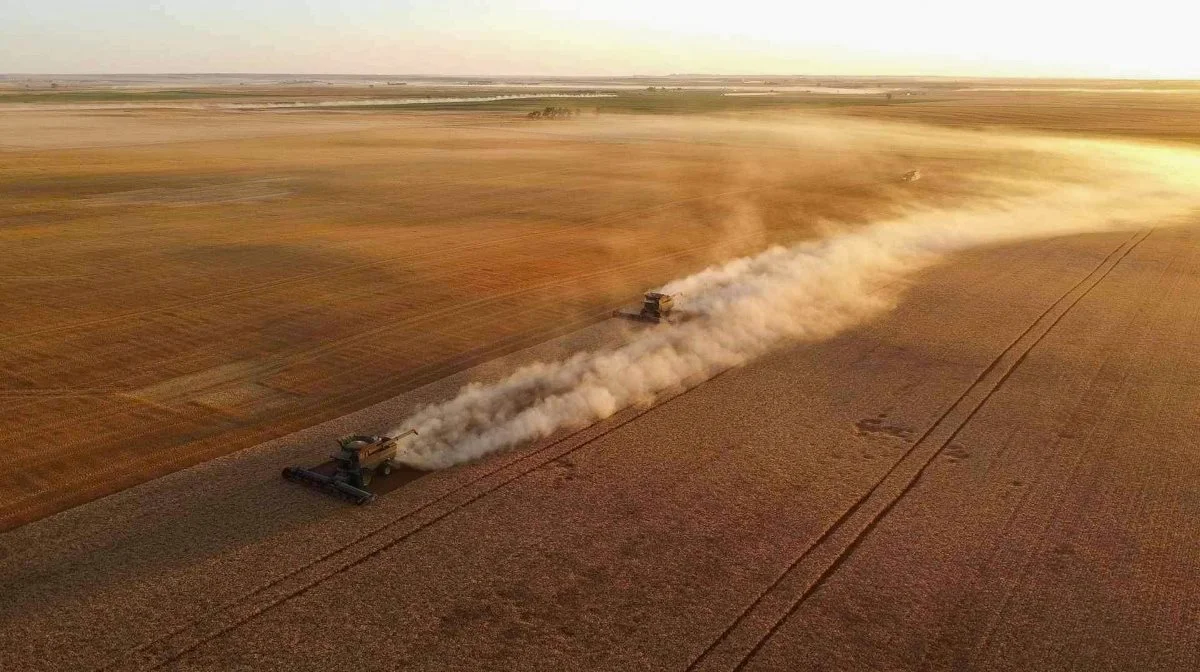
column 657, row 308
column 359, row 460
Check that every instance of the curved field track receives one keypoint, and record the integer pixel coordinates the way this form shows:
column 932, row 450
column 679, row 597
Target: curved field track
column 1000, row 474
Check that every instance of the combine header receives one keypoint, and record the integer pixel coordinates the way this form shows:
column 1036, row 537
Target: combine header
column 359, row 459
column 656, row 308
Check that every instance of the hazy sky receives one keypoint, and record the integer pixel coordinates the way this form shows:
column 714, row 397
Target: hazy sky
column 1142, row 38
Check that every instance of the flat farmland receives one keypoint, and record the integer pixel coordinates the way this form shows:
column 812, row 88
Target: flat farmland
column 184, row 283
column 988, row 462
column 997, row 475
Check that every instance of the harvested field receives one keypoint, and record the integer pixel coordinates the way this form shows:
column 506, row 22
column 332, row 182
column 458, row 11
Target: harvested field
column 996, row 475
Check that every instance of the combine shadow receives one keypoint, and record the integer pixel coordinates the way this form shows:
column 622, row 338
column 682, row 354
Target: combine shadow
column 228, row 517
column 381, row 485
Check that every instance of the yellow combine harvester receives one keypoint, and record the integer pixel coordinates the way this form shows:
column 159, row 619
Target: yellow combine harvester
column 656, row 308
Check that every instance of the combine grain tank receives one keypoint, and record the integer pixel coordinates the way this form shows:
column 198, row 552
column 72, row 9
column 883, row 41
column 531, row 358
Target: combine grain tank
column 360, row 458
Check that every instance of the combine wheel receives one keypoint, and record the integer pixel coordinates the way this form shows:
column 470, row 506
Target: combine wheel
column 386, row 469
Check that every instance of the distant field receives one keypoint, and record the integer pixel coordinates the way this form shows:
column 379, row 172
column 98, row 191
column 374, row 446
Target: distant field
column 264, row 94
column 641, row 100
column 185, row 283
column 90, row 96
column 1158, row 110
column 1159, row 116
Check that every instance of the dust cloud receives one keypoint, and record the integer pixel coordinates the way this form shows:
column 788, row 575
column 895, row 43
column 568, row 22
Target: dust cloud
column 817, row 288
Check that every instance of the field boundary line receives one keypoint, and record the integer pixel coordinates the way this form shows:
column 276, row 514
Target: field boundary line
column 814, row 566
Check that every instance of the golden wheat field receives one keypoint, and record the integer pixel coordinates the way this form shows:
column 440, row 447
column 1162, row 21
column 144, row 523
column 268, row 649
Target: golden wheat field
column 184, row 282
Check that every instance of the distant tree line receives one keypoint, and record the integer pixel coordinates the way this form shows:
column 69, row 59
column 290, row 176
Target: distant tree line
column 555, row 113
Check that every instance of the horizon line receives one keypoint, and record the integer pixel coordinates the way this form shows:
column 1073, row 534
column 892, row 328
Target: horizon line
column 594, row 76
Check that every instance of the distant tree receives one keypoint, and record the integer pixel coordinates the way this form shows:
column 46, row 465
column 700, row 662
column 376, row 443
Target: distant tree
column 550, row 112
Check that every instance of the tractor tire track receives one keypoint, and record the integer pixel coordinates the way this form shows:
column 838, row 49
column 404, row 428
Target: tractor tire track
column 177, row 643
column 745, row 636
column 1099, row 400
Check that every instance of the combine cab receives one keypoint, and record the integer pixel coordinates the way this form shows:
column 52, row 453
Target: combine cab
column 656, row 308
column 359, row 460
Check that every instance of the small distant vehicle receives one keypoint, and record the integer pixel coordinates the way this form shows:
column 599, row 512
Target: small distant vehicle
column 656, row 308
column 360, row 458
column 911, row 176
